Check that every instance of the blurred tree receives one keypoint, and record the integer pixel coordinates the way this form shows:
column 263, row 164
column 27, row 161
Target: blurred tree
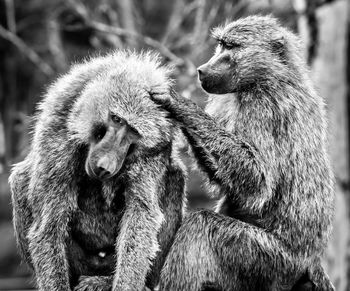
column 324, row 28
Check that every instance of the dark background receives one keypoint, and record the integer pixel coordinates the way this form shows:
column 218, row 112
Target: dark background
column 39, row 39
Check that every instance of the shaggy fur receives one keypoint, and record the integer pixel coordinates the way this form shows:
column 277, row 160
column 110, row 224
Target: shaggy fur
column 264, row 150
column 70, row 226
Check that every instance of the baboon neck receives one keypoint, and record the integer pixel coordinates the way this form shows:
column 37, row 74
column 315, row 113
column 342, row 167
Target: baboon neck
column 223, row 108
column 285, row 94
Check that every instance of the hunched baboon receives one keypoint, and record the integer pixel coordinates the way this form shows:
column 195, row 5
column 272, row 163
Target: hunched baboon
column 101, row 191
column 262, row 143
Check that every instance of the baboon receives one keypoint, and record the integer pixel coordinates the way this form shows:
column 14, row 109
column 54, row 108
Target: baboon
column 262, row 143
column 99, row 197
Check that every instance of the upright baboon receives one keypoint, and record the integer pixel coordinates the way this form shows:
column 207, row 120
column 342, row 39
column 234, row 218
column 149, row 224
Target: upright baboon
column 101, row 192
column 264, row 150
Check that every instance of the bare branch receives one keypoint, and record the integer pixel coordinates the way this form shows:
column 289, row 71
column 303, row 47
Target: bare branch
column 10, row 16
column 55, row 43
column 27, row 51
column 211, row 15
column 174, row 21
column 102, row 27
column 180, row 12
column 198, row 26
column 126, row 19
column 145, row 39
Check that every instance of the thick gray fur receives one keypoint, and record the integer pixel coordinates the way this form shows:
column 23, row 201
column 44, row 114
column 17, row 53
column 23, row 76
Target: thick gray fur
column 262, row 144
column 65, row 222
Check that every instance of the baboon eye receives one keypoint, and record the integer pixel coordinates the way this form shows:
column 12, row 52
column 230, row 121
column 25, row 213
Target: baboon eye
column 116, row 119
column 228, row 45
column 231, row 46
column 99, row 131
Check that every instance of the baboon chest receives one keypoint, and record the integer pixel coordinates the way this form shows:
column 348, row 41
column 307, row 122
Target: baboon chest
column 94, row 228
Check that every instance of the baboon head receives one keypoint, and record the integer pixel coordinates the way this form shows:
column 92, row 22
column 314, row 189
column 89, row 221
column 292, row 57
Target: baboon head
column 250, row 52
column 115, row 117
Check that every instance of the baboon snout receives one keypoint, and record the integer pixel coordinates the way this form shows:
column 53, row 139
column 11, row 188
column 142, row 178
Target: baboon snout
column 105, row 167
column 202, row 72
column 109, row 150
column 216, row 76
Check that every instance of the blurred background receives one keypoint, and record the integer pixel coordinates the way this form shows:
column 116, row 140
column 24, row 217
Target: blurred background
column 39, row 40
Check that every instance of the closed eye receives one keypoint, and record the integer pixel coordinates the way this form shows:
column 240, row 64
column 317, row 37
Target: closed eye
column 117, row 119
column 228, row 45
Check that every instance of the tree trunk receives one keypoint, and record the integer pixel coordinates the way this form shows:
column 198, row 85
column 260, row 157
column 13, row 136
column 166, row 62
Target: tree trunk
column 324, row 31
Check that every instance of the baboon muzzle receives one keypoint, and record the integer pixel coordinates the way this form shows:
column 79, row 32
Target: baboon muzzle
column 107, row 157
column 202, row 72
column 216, row 77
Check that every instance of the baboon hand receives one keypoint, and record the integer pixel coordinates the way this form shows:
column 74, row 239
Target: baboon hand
column 166, row 100
column 178, row 106
column 94, row 283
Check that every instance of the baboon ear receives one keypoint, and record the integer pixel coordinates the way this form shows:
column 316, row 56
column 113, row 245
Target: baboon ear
column 279, row 47
column 278, row 43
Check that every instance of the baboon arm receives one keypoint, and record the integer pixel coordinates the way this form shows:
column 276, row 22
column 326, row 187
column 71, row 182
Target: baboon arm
column 47, row 248
column 53, row 198
column 137, row 242
column 22, row 213
column 228, row 158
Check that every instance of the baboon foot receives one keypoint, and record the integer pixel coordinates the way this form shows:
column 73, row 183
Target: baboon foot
column 94, row 283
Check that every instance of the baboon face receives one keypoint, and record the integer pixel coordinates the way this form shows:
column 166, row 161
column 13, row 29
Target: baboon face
column 248, row 52
column 216, row 76
column 116, row 119
column 111, row 143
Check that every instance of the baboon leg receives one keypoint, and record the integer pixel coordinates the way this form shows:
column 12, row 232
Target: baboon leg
column 216, row 252
column 94, row 283
column 97, row 283
column 191, row 260
column 304, row 284
column 320, row 278
column 315, row 279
